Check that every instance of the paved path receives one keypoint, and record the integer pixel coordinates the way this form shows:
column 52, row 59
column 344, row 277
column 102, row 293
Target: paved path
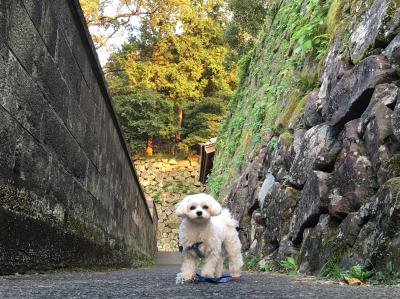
column 168, row 258
column 159, row 282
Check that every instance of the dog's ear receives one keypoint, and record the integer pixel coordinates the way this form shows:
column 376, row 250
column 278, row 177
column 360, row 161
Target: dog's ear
column 215, row 207
column 181, row 207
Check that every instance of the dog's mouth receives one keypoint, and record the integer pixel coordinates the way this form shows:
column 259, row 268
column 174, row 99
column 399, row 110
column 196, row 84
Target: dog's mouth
column 201, row 217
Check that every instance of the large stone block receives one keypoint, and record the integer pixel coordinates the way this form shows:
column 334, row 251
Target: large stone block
column 353, row 92
column 386, row 94
column 314, row 202
column 50, row 81
column 312, row 111
column 61, row 183
column 319, row 247
column 377, row 236
column 9, row 133
column 371, row 29
column 21, row 97
column 68, row 67
column 278, row 213
column 77, row 41
column 396, row 121
column 32, row 165
column 354, row 178
column 392, row 52
column 318, row 149
column 19, row 30
column 59, row 140
column 335, row 65
column 4, row 15
column 377, row 133
column 44, row 21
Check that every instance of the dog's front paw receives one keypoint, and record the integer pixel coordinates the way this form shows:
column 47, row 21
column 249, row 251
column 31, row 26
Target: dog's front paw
column 179, row 279
column 182, row 278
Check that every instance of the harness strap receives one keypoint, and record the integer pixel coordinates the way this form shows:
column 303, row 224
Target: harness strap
column 195, row 248
column 222, row 279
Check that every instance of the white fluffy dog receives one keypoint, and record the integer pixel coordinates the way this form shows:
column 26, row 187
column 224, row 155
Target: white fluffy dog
column 207, row 231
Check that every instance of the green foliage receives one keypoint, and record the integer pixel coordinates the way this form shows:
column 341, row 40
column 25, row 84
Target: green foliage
column 289, row 265
column 179, row 53
column 357, row 272
column 255, row 263
column 179, row 185
column 156, row 196
column 244, row 64
column 306, row 81
column 245, row 23
column 280, row 64
column 307, row 27
column 388, row 276
column 201, row 120
column 186, row 64
column 145, row 113
column 334, row 13
column 273, row 143
column 216, row 182
column 251, row 262
column 331, row 270
column 265, row 267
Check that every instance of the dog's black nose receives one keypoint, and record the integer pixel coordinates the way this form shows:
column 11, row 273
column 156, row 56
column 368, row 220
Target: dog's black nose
column 199, row 213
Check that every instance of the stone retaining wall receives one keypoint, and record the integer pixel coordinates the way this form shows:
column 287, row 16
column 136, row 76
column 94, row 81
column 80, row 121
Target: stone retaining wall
column 69, row 195
column 326, row 189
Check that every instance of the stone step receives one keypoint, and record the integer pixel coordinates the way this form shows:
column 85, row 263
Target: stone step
column 168, row 258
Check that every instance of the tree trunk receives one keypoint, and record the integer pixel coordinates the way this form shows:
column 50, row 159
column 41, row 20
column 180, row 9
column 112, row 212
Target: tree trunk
column 149, row 146
column 180, row 117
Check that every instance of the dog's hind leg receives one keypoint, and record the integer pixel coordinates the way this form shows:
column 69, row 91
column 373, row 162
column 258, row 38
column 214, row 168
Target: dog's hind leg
column 233, row 248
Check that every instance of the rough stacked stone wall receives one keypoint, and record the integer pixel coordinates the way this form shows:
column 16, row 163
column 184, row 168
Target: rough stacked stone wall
column 69, row 195
column 327, row 190
column 167, row 181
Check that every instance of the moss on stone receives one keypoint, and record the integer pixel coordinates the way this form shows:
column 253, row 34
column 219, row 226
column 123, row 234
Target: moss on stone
column 393, row 166
column 76, row 226
column 48, row 210
column 393, row 184
column 286, row 139
column 296, row 117
column 140, row 259
column 333, row 17
column 292, row 102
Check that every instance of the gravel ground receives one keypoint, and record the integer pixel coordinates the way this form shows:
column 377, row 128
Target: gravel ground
column 159, row 282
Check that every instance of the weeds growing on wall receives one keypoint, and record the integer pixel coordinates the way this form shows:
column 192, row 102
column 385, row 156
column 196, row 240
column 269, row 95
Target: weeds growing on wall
column 282, row 62
column 387, row 276
column 289, row 266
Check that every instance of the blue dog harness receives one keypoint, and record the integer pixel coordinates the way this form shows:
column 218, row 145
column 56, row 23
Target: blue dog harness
column 195, row 248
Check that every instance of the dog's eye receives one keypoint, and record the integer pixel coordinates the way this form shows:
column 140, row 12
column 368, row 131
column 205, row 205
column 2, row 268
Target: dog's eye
column 192, row 207
column 205, row 207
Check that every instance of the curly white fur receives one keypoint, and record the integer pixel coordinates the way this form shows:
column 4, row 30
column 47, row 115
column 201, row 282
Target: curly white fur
column 205, row 221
